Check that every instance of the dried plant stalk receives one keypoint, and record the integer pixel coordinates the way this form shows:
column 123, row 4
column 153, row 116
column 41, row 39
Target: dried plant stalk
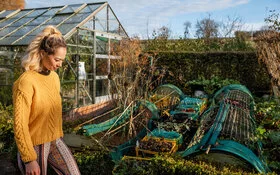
column 268, row 50
column 133, row 75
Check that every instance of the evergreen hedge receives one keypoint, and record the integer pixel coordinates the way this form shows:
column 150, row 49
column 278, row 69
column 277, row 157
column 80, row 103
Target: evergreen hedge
column 241, row 66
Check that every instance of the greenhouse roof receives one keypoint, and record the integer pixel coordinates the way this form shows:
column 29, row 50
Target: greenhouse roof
column 18, row 27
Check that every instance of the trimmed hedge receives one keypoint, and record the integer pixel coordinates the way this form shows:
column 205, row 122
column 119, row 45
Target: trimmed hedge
column 240, row 66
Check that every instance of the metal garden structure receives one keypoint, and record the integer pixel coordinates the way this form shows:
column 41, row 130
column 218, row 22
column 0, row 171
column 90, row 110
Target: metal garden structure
column 90, row 31
column 227, row 131
column 224, row 134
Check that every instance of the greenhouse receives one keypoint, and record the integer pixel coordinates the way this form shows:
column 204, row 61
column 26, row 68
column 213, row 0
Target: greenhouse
column 90, row 31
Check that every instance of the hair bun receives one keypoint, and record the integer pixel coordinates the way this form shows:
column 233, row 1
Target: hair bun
column 50, row 30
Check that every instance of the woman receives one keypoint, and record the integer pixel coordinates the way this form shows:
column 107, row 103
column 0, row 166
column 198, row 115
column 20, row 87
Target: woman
column 38, row 109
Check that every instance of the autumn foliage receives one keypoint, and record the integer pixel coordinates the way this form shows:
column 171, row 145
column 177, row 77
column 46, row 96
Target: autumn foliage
column 11, row 4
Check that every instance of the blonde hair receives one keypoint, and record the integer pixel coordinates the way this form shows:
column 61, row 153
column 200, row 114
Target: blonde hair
column 48, row 41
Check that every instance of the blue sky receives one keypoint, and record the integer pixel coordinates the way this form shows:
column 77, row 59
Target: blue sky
column 141, row 17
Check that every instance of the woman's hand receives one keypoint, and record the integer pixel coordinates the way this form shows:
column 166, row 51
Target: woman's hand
column 32, row 168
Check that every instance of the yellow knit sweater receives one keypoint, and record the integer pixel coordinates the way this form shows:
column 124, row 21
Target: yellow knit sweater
column 37, row 111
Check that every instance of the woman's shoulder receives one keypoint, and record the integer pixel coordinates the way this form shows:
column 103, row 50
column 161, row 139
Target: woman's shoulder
column 25, row 80
column 26, row 76
column 53, row 73
column 32, row 77
column 54, row 76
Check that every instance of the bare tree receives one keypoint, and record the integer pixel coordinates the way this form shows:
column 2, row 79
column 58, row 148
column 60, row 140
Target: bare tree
column 133, row 75
column 231, row 25
column 207, row 28
column 273, row 20
column 162, row 33
column 187, row 25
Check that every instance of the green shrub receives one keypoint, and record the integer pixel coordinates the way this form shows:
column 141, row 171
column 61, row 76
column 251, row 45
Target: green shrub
column 166, row 165
column 212, row 85
column 6, row 128
column 268, row 130
column 6, row 95
column 94, row 162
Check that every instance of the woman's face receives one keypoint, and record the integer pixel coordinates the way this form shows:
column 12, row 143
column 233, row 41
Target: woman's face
column 53, row 62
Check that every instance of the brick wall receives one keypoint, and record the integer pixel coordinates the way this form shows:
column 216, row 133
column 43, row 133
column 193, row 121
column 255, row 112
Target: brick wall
column 89, row 111
column 11, row 4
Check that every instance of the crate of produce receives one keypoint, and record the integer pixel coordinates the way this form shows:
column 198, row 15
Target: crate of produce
column 135, row 158
column 154, row 145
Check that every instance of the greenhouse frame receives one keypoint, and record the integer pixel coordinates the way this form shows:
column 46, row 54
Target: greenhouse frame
column 90, row 30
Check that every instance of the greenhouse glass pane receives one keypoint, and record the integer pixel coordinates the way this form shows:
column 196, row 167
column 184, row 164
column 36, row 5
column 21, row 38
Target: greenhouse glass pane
column 38, row 20
column 36, row 13
column 70, row 9
column 6, row 13
column 102, row 87
column 100, row 25
column 65, row 28
column 111, row 15
column 101, row 20
column 89, row 24
column 6, row 58
column 57, row 19
column 52, row 11
column 6, row 76
column 22, row 31
column 114, row 26
column 6, row 30
column 113, row 23
column 77, row 18
column 8, row 40
column 86, row 9
column 85, row 32
column 6, row 22
column 37, row 30
column 72, row 39
column 101, row 46
column 21, row 22
column 25, row 41
column 71, row 49
column 101, row 66
column 93, row 7
column 85, row 38
column 21, row 14
column 86, row 41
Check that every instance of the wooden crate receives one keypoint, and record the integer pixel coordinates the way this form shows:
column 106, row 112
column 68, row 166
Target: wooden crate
column 173, row 149
column 135, row 158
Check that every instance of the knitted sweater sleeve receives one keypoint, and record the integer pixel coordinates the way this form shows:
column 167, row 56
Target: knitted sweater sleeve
column 22, row 106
